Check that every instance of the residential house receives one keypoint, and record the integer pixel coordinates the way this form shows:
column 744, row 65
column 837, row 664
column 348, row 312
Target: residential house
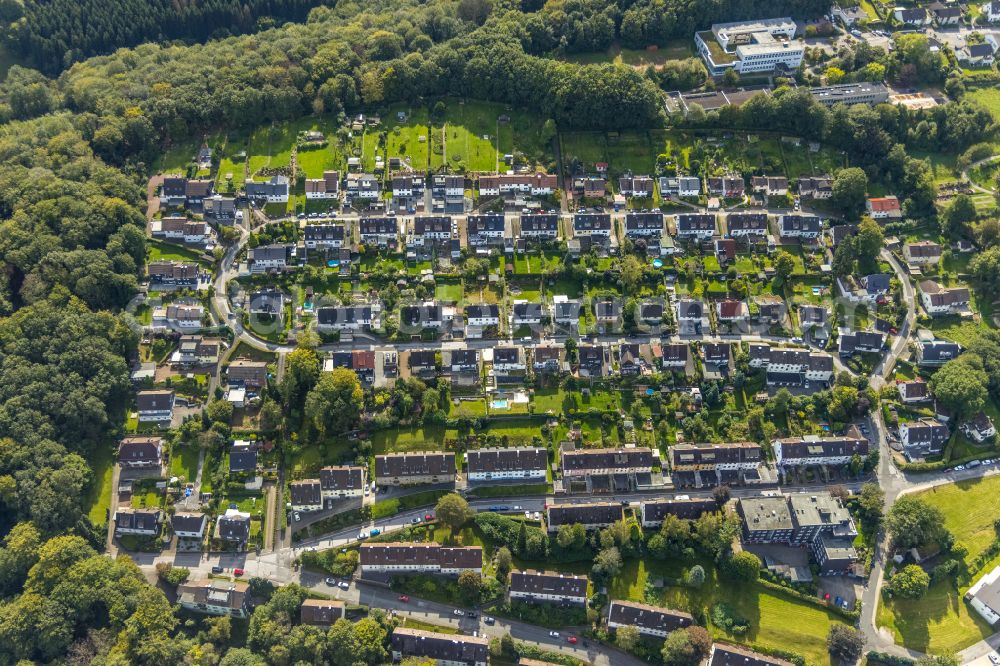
column 269, row 302
column 214, row 596
column 442, row 649
column 980, row 428
column 234, row 528
column 937, row 300
column 274, row 190
column 347, row 318
column 806, row 227
column 548, row 587
column 181, row 229
column 414, row 468
column 644, row 224
column 977, row 55
column 321, row 612
column 741, row 225
column 547, row 359
column 798, row 452
column 221, row 209
column 535, row 184
column 343, row 481
column 427, row 229
column 731, row 311
column 725, row 250
column 813, row 316
column 696, row 225
column 423, row 363
column 327, row 187
column 518, row 463
column 592, row 224
column 509, row 365
column 483, row 315
column 364, row 186
column 915, row 16
column 425, row 315
column 140, row 452
column 850, row 342
column 138, row 522
column 913, row 391
column 324, row 236
column 924, row 437
column 640, row 187
column 380, row 231
column 675, row 356
column 155, row 406
column 488, row 229
column 608, row 470
column 274, row 257
column 243, row 457
column 718, row 358
column 946, row 14
column 842, row 232
column 448, row 185
column 540, row 225
column 649, row 620
column 407, row 185
column 700, row 465
column 631, row 361
column 173, row 273
column 592, row 516
column 922, row 252
column 681, row 186
column 607, row 311
column 653, row 512
column 991, row 11
column 526, row 314
column 566, row 311
column 426, row 558
column 882, row 208
column 306, row 495
column 690, row 315
column 651, row 312
column 772, row 186
column 189, row 525
column 730, row 187
column 936, row 352
column 771, row 309
column 723, row 654
column 820, row 187
column 178, row 315
column 589, row 187
column 246, row 373
column 592, row 360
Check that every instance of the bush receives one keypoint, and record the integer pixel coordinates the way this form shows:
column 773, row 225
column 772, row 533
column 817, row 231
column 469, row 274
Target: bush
column 724, row 617
column 845, row 642
column 172, row 575
column 332, row 561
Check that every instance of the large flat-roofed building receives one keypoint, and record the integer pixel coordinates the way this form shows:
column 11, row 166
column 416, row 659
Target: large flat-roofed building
column 750, row 46
column 649, row 620
column 548, row 587
column 851, row 93
column 795, row 520
column 443, row 649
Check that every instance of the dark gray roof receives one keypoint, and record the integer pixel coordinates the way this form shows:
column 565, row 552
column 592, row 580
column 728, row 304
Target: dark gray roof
column 536, row 582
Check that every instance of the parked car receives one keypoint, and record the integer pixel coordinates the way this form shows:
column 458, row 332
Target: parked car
column 376, row 531
column 237, row 572
column 429, row 516
column 458, row 613
column 297, row 516
column 217, row 570
column 416, row 520
column 332, row 582
column 489, row 620
column 344, row 585
column 571, row 640
column 472, row 615
column 554, row 634
column 404, row 598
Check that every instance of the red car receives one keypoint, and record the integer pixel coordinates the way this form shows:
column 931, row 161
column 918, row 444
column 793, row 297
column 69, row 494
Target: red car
column 429, row 516
column 571, row 639
column 237, row 572
column 404, row 598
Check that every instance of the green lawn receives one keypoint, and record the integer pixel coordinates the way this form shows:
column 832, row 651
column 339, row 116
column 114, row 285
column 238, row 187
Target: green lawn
column 98, row 499
column 160, row 251
column 449, row 291
column 988, row 97
column 470, row 136
column 776, row 621
column 184, row 462
column 403, row 138
column 941, row 621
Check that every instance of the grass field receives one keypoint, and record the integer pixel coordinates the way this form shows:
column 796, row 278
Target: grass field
column 655, row 55
column 769, row 613
column 184, row 462
column 988, row 97
column 160, row 251
column 99, row 494
column 469, row 136
column 403, row 138
column 941, row 621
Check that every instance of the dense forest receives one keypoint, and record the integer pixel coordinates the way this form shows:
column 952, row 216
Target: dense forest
column 53, row 34
column 74, row 156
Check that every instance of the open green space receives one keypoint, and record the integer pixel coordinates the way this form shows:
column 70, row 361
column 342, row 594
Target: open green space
column 409, row 138
column 98, row 500
column 941, row 621
column 989, row 98
column 776, row 621
column 469, row 136
column 184, row 462
column 161, row 251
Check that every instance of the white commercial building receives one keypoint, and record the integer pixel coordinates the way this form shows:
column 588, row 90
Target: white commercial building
column 750, row 46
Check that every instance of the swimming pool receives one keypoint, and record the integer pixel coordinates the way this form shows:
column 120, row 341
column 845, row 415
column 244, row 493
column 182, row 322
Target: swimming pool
column 499, row 404
column 657, row 263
